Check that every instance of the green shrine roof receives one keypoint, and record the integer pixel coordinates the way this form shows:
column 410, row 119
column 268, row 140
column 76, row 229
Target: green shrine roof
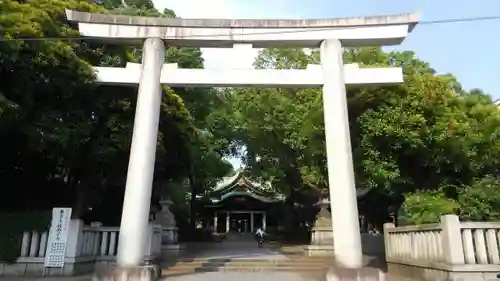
column 240, row 185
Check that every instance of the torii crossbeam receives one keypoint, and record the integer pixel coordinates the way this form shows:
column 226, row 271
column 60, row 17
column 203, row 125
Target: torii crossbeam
column 311, row 77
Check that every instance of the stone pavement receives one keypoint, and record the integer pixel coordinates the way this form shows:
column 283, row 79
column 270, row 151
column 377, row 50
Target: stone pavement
column 241, row 251
column 242, row 276
column 234, row 250
column 246, row 250
column 218, row 276
column 75, row 278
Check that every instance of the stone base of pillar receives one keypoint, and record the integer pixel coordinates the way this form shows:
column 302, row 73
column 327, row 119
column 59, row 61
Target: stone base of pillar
column 322, row 236
column 171, row 251
column 319, row 250
column 142, row 273
column 355, row 274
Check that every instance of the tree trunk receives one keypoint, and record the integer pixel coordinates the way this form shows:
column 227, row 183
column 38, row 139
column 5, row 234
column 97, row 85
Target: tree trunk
column 79, row 206
column 293, row 179
column 83, row 170
column 192, row 203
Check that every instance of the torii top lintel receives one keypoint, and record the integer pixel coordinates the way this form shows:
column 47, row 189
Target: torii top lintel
column 261, row 33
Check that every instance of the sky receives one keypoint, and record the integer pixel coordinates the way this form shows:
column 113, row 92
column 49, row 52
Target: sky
column 468, row 50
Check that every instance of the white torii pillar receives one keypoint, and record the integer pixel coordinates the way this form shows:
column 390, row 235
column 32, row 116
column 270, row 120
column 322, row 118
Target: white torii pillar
column 136, row 204
column 343, row 200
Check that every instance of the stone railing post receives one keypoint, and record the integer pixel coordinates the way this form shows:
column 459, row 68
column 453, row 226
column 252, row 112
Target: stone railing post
column 148, row 243
column 387, row 239
column 75, row 237
column 451, row 240
column 74, row 244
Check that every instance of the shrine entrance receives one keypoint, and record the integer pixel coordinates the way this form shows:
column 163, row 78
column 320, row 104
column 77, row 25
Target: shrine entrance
column 240, row 205
column 239, row 222
column 330, row 35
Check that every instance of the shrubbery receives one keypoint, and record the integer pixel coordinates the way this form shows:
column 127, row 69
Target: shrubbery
column 12, row 227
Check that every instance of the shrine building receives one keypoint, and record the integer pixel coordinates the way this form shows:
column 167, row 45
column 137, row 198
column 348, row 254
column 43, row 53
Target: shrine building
column 238, row 204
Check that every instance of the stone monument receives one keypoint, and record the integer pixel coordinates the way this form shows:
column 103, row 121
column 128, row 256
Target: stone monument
column 166, row 219
column 169, row 240
column 322, row 232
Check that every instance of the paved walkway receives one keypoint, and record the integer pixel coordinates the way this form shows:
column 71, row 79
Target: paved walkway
column 75, row 278
column 242, row 276
column 233, row 250
column 239, row 250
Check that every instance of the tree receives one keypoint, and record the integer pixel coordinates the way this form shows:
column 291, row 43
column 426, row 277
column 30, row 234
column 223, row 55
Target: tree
column 425, row 135
column 270, row 124
column 113, row 4
column 206, row 167
column 426, row 207
column 48, row 103
column 480, row 201
column 61, row 133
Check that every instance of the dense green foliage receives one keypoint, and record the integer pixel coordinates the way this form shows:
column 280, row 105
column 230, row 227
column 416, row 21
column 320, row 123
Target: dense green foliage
column 426, row 207
column 427, row 138
column 13, row 226
column 65, row 140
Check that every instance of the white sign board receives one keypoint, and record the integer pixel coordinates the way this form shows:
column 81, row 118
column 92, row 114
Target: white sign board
column 58, row 235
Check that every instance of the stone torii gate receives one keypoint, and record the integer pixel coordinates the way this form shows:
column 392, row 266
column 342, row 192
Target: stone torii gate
column 332, row 75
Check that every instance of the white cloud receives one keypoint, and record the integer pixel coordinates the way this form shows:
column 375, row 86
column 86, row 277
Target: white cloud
column 215, row 58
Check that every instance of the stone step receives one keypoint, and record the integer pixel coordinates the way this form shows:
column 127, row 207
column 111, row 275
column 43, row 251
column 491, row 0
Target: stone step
column 241, row 265
column 302, row 265
column 292, row 260
column 248, row 265
column 317, row 269
column 255, row 263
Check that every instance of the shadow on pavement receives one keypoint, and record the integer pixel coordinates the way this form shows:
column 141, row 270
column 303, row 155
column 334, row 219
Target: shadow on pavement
column 210, row 257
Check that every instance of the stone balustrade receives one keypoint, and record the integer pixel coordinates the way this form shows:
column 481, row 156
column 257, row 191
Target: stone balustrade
column 415, row 242
column 449, row 250
column 480, row 242
column 100, row 241
column 88, row 248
